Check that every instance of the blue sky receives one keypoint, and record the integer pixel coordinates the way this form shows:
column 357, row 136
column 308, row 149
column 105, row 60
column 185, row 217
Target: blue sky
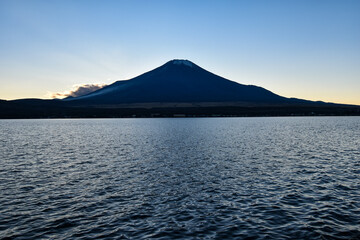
column 303, row 49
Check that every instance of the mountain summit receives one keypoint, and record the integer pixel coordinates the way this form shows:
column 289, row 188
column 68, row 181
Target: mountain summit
column 183, row 62
column 179, row 81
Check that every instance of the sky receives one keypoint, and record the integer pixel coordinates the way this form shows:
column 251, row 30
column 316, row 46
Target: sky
column 308, row 49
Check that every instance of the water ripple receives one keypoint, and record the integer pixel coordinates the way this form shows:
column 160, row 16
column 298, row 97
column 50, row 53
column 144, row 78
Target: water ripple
column 238, row 178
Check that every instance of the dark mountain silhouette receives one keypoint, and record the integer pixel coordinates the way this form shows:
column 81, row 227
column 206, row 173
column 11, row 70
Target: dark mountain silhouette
column 177, row 88
column 179, row 81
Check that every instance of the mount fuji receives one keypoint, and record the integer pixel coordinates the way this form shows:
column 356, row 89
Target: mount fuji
column 179, row 81
column 177, row 88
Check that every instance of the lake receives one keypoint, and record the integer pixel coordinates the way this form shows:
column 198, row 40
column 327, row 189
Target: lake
column 180, row 178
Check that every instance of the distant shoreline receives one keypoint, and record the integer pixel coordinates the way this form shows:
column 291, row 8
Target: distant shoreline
column 29, row 110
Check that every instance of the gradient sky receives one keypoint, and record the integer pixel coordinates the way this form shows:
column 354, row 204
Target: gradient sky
column 303, row 49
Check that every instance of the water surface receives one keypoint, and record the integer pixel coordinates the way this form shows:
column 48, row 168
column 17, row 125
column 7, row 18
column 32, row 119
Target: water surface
column 196, row 178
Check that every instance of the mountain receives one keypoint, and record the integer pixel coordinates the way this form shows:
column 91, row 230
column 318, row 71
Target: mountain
column 177, row 88
column 179, row 81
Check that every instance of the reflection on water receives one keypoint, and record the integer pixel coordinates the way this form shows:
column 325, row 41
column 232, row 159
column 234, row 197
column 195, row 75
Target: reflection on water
column 221, row 178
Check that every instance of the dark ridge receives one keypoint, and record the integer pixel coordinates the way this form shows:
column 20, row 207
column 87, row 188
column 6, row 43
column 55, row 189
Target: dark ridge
column 177, row 88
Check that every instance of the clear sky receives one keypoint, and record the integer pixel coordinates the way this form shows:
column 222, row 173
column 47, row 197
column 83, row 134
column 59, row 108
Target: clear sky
column 298, row 48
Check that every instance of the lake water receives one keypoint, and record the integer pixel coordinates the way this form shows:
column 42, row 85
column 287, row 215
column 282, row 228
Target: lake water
column 186, row 178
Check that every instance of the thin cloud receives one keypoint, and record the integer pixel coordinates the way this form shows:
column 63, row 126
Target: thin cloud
column 78, row 90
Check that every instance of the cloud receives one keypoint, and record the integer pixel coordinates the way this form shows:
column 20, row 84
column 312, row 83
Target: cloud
column 77, row 90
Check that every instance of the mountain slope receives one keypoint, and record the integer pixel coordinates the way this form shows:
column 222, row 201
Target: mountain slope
column 178, row 81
